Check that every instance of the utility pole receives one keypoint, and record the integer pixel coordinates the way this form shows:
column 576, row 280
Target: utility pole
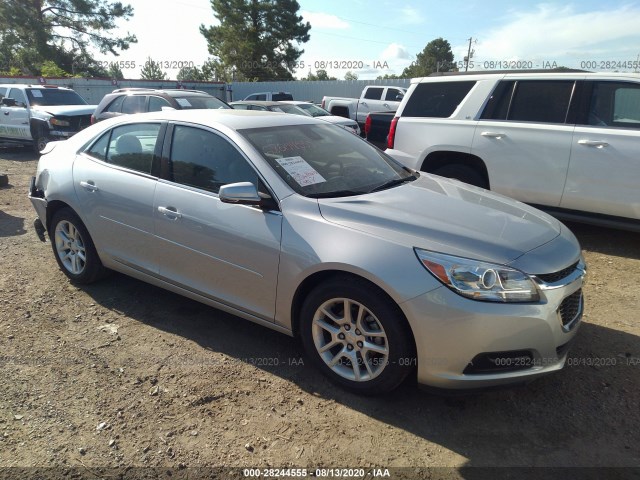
column 469, row 55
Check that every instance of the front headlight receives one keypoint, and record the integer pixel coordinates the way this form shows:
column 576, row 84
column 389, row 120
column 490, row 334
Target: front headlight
column 479, row 280
column 59, row 123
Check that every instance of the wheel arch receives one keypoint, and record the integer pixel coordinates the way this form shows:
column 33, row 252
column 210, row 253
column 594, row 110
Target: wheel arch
column 435, row 160
column 54, row 206
column 317, row 278
column 36, row 125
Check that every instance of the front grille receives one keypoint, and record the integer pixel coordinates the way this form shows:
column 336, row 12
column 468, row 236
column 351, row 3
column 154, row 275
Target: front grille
column 76, row 123
column 557, row 276
column 500, row 362
column 570, row 309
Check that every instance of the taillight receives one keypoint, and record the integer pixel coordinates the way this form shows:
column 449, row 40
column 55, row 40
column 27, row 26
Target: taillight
column 322, row 103
column 367, row 126
column 93, row 119
column 391, row 138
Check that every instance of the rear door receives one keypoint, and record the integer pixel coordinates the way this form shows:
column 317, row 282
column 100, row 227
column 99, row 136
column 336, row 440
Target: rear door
column 228, row 253
column 524, row 137
column 115, row 181
column 604, row 171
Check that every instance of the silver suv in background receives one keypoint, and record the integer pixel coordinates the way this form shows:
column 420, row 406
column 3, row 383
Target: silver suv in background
column 565, row 142
column 37, row 114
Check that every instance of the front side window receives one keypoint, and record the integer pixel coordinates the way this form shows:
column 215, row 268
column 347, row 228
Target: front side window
column 18, row 96
column 393, row 95
column 542, row 101
column 614, row 104
column 436, row 99
column 203, row 159
column 325, row 161
column 129, row 146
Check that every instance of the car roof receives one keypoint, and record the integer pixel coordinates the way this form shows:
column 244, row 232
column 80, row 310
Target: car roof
column 525, row 75
column 172, row 92
column 234, row 119
column 28, row 85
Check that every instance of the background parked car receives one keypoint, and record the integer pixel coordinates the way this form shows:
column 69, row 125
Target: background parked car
column 138, row 100
column 318, row 112
column 374, row 98
column 268, row 106
column 37, row 114
column 566, row 142
column 270, row 96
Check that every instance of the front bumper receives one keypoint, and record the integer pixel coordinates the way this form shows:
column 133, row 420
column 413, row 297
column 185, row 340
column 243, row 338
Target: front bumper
column 466, row 344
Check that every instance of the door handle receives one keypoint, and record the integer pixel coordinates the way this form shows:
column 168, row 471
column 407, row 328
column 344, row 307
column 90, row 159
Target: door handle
column 593, row 143
column 363, row 103
column 493, row 134
column 6, row 113
column 170, row 212
column 89, row 186
column 385, row 105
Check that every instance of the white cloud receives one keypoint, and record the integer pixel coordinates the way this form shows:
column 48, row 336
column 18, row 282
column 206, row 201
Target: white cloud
column 394, row 51
column 324, row 20
column 550, row 33
column 411, row 16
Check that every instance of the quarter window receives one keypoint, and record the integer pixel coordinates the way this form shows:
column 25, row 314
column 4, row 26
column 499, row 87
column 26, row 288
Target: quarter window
column 436, row 99
column 202, row 159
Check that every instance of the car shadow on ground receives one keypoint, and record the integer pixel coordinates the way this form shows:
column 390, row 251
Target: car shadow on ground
column 580, row 416
column 18, row 153
column 10, row 226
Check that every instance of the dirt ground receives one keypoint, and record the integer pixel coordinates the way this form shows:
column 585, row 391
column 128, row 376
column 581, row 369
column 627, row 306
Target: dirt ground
column 123, row 374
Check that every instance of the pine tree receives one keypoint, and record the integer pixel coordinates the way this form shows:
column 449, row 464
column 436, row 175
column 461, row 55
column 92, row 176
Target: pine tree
column 152, row 71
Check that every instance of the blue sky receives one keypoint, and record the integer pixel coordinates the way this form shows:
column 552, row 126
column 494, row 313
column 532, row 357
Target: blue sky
column 385, row 36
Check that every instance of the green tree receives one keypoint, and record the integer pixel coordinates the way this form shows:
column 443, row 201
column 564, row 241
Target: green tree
column 61, row 31
column 388, row 76
column 350, row 75
column 193, row 74
column 151, row 71
column 255, row 38
column 50, row 69
column 115, row 72
column 436, row 57
column 320, row 74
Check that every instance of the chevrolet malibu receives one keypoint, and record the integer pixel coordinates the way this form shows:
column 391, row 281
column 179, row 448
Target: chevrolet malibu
column 381, row 272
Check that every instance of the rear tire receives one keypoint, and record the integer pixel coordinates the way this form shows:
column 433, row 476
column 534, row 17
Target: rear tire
column 74, row 249
column 357, row 336
column 463, row 173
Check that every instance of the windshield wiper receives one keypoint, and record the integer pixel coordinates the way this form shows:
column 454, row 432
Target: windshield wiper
column 393, row 183
column 336, row 193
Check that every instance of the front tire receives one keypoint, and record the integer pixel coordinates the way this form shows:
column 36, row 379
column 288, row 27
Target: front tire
column 73, row 248
column 357, row 336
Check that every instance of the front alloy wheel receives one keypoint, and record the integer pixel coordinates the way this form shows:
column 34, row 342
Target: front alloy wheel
column 70, row 247
column 357, row 335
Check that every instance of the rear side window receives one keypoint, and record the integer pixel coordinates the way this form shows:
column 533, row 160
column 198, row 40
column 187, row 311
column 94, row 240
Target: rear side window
column 438, row 100
column 133, row 104
column 156, row 104
column 116, row 105
column 542, row 101
column 373, row 93
column 614, row 104
column 129, row 146
column 279, row 97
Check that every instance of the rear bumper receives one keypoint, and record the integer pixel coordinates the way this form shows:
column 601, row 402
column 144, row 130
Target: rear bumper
column 38, row 201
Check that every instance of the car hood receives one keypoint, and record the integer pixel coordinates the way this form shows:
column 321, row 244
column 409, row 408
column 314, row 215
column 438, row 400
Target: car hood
column 446, row 216
column 66, row 109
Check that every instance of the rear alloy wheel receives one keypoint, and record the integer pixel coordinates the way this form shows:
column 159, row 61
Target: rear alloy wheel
column 357, row 337
column 73, row 248
column 463, row 173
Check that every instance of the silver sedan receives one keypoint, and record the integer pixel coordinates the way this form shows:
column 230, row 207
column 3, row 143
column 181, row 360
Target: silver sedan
column 382, row 272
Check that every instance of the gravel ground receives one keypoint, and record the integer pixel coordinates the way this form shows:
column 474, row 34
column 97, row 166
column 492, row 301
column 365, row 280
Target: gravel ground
column 123, row 374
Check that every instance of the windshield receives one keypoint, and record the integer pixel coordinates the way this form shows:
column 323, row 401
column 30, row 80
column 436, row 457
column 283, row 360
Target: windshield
column 192, row 102
column 313, row 110
column 325, row 161
column 53, row 96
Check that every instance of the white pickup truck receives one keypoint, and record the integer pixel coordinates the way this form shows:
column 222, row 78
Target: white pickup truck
column 374, row 98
